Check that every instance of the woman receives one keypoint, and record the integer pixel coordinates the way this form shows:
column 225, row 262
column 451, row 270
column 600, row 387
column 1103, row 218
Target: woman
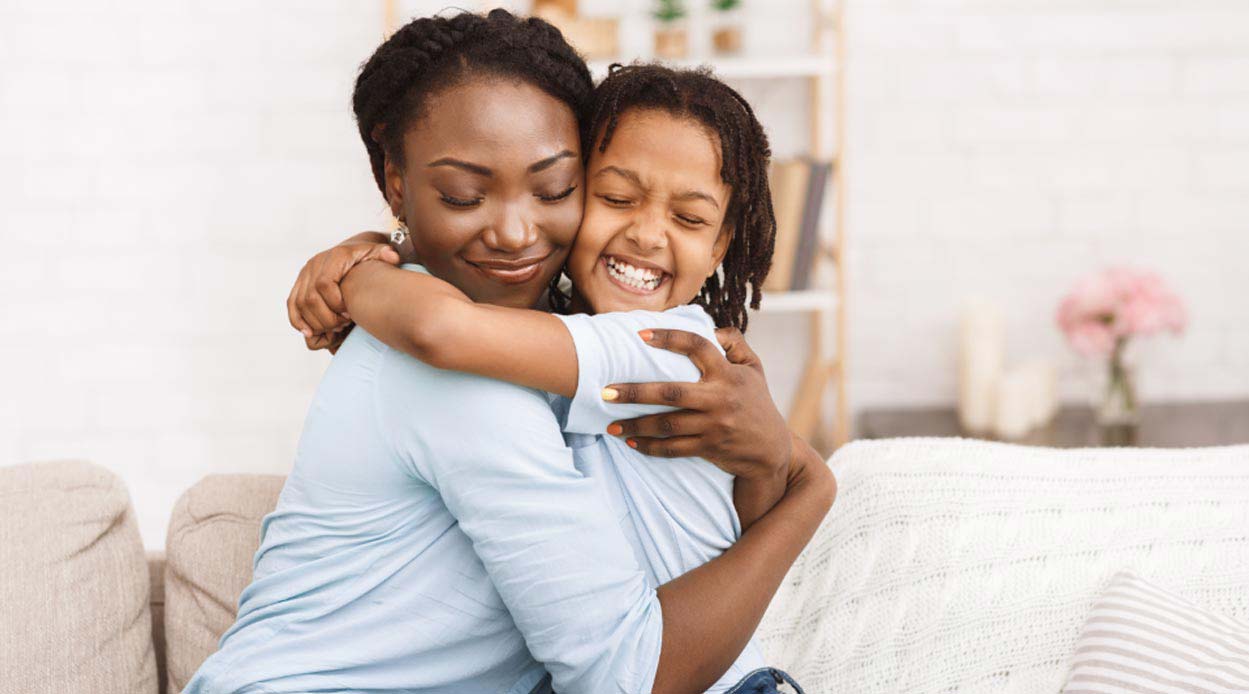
column 434, row 534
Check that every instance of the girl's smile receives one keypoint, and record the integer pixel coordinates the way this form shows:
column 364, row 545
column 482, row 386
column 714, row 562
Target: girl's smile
column 633, row 275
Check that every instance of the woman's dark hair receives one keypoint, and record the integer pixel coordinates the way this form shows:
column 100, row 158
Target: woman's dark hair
column 744, row 157
column 431, row 53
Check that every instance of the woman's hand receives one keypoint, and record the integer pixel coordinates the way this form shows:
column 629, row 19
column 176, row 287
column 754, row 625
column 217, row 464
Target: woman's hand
column 728, row 417
column 315, row 305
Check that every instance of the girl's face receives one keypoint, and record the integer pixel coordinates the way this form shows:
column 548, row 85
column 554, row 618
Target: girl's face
column 491, row 188
column 654, row 229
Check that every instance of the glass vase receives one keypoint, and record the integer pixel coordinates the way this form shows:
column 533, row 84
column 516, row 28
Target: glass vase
column 1119, row 404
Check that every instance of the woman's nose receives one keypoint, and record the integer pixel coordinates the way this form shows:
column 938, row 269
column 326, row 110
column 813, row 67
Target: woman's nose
column 512, row 232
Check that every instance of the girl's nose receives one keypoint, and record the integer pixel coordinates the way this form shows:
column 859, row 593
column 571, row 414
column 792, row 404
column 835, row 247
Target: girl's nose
column 649, row 232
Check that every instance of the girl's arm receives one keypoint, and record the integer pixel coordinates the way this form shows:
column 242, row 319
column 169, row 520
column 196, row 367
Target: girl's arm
column 433, row 321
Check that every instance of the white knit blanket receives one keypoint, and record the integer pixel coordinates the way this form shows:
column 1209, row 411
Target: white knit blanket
column 949, row 565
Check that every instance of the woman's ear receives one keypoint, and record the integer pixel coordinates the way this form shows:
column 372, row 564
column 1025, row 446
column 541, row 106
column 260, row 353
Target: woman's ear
column 721, row 246
column 393, row 174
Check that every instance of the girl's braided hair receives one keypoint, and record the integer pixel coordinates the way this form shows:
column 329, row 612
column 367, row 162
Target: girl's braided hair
column 744, row 157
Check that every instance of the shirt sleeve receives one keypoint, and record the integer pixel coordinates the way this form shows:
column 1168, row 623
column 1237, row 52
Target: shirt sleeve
column 543, row 531
column 609, row 351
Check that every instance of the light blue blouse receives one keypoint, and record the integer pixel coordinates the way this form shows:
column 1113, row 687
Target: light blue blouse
column 436, row 534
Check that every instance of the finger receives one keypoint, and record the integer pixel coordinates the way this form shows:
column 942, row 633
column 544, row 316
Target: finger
column 331, row 295
column 292, row 313
column 736, row 350
column 683, row 396
column 679, row 447
column 385, row 253
column 316, row 313
column 699, row 349
column 663, row 426
column 318, row 342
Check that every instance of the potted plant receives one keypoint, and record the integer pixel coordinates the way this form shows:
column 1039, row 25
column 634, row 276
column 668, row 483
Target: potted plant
column 1101, row 315
column 726, row 37
column 671, row 40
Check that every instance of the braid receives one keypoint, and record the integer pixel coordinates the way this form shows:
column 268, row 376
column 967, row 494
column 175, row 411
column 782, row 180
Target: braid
column 744, row 157
column 432, row 53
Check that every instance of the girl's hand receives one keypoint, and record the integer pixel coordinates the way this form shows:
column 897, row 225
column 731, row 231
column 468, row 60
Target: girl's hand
column 315, row 305
column 728, row 417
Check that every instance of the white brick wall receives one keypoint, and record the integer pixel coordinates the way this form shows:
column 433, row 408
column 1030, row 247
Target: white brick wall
column 1006, row 148
column 166, row 166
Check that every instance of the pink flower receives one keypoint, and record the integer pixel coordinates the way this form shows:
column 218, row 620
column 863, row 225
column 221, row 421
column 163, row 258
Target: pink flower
column 1118, row 303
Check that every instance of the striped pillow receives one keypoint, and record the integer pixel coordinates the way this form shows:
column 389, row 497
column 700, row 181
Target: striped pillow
column 1141, row 639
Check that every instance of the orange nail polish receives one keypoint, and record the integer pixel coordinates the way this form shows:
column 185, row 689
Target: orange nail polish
column 614, row 429
column 632, row 443
column 646, row 335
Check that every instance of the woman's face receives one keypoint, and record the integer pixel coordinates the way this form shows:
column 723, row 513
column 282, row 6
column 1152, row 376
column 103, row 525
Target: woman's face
column 654, row 229
column 492, row 188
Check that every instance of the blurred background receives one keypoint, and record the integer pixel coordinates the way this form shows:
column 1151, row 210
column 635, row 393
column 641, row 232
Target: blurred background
column 167, row 167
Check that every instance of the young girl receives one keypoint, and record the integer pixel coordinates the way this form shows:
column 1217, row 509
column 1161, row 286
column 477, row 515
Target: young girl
column 677, row 233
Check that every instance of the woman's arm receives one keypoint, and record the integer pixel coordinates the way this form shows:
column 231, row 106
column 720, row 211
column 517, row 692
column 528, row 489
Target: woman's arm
column 435, row 322
column 711, row 612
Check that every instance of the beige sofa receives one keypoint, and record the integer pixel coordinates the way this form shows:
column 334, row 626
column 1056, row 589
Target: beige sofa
column 84, row 610
column 946, row 565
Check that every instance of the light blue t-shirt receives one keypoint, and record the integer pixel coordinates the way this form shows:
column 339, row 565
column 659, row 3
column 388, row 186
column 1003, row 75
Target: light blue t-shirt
column 436, row 536
column 677, row 513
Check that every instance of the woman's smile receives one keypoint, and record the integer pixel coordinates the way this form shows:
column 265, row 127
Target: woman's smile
column 511, row 271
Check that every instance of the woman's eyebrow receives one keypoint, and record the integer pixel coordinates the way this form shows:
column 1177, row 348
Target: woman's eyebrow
column 550, row 161
column 460, row 164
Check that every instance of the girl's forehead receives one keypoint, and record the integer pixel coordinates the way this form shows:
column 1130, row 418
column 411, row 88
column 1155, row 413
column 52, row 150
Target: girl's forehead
column 662, row 148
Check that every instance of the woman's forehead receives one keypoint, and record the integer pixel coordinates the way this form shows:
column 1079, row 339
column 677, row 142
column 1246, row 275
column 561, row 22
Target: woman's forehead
column 504, row 120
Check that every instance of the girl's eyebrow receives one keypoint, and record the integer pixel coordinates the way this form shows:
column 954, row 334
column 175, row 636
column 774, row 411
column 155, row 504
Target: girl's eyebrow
column 636, row 180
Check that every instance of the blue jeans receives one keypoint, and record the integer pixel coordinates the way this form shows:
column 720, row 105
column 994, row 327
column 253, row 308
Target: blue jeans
column 761, row 681
column 764, row 681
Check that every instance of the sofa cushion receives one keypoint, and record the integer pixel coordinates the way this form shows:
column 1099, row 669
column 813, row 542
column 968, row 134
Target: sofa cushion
column 73, row 583
column 1140, row 637
column 214, row 532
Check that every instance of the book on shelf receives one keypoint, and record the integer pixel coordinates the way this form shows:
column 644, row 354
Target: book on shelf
column 798, row 190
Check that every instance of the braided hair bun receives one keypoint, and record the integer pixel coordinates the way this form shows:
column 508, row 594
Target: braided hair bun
column 433, row 53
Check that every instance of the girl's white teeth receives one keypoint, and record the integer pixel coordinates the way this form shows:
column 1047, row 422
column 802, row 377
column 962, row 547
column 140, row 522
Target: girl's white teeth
column 642, row 278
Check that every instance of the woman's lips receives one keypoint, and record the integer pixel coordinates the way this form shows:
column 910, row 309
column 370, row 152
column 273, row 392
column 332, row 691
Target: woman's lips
column 510, row 271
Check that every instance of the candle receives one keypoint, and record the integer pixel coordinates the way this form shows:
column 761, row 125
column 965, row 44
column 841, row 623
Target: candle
column 1016, row 408
column 982, row 351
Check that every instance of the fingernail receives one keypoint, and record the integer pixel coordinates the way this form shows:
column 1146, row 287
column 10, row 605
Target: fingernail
column 632, row 443
column 610, row 394
column 646, row 335
column 306, row 332
column 345, row 315
column 614, row 429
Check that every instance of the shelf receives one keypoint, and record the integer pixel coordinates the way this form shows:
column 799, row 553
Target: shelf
column 799, row 301
column 763, row 67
